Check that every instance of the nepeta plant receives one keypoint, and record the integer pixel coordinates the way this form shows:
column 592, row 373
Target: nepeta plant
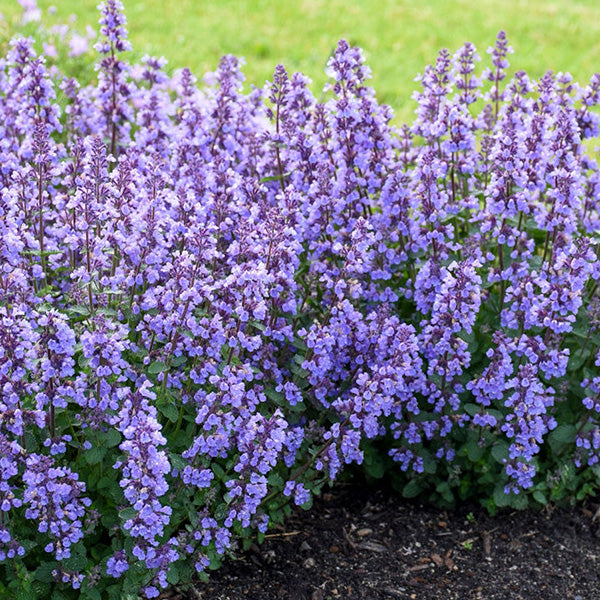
column 213, row 301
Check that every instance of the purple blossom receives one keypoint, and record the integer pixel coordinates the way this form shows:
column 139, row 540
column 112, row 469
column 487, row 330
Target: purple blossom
column 53, row 497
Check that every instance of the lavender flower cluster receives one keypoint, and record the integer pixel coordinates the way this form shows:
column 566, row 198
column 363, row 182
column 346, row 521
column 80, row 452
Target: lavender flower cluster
column 214, row 300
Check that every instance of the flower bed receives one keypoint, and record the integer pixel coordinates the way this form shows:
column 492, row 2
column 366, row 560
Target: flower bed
column 214, row 300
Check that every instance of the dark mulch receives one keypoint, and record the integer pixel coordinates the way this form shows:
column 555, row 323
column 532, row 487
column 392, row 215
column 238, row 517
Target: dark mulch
column 362, row 543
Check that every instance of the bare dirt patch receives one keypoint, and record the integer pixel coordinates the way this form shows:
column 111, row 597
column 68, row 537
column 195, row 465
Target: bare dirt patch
column 362, row 543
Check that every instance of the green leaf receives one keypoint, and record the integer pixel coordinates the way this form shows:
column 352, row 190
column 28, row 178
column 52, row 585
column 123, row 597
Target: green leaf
column 112, row 438
column 300, row 344
column 274, row 395
column 412, row 489
column 374, row 466
column 580, row 332
column 561, row 436
column 82, row 361
column 429, row 463
column 540, row 497
column 40, row 253
column 94, row 455
column 274, row 177
column 40, row 590
column 500, row 498
column 298, row 370
column 44, row 572
column 90, row 593
column 76, row 562
column 178, row 361
column 567, row 472
column 221, row 512
column 500, row 452
column 443, row 488
column 78, row 309
column 275, row 479
column 169, row 410
column 299, row 359
column 157, row 367
column 518, row 501
column 474, row 450
column 114, row 592
column 216, row 560
column 577, row 360
column 178, row 462
column 128, row 513
column 471, row 409
column 173, row 575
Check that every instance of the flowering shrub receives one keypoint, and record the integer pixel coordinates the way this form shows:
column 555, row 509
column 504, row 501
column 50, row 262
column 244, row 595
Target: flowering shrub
column 213, row 301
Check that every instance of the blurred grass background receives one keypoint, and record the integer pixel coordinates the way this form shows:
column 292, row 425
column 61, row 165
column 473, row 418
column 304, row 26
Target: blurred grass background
column 399, row 37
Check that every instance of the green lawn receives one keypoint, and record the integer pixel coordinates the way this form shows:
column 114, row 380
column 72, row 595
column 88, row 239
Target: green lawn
column 398, row 36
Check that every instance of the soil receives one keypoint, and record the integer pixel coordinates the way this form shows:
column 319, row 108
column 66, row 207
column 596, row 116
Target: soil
column 370, row 544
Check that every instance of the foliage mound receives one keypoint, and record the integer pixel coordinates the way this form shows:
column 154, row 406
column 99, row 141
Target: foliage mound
column 214, row 300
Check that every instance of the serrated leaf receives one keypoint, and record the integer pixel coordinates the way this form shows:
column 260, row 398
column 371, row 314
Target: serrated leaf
column 273, row 394
column 300, row 344
column 90, row 593
column 157, row 367
column 471, row 409
column 474, row 451
column 443, row 488
column 518, row 501
column 169, row 410
column 429, row 464
column 82, row 361
column 561, row 436
column 128, row 513
column 94, row 455
column 375, row 468
column 221, row 512
column 76, row 562
column 178, row 462
column 577, row 360
column 500, row 452
column 411, row 489
column 112, row 438
column 500, row 498
column 178, row 361
column 79, row 309
column 275, row 479
column 298, row 370
column 173, row 575
column 44, row 572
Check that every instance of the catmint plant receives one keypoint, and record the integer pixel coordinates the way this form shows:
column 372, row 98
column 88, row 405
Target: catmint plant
column 213, row 301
